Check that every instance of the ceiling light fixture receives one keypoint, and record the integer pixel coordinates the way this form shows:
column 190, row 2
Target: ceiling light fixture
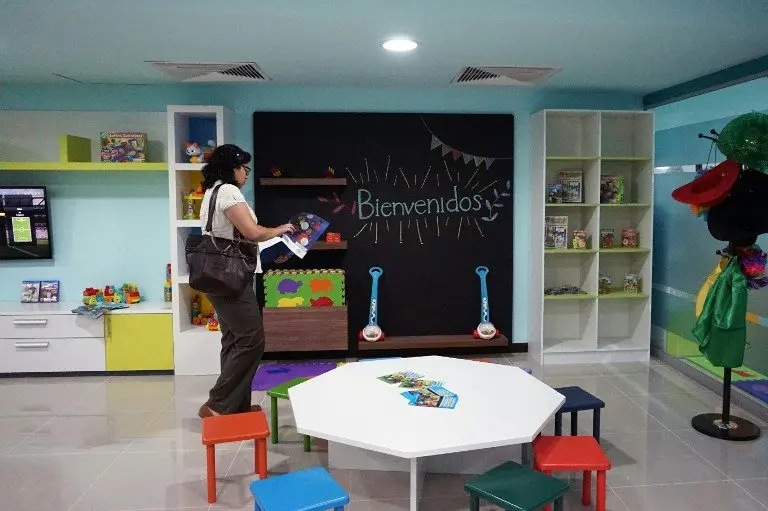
column 399, row 45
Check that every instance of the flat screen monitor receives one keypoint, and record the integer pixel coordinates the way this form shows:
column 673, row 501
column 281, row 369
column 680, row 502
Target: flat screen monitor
column 25, row 226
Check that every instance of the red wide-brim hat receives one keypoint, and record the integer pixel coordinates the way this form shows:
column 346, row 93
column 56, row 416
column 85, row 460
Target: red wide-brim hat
column 711, row 188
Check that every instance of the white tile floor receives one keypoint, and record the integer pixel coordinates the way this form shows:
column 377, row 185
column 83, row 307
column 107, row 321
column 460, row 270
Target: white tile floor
column 133, row 443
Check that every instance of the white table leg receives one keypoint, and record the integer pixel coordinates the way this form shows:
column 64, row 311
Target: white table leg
column 417, row 482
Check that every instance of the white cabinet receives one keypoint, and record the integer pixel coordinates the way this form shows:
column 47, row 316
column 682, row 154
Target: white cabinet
column 40, row 338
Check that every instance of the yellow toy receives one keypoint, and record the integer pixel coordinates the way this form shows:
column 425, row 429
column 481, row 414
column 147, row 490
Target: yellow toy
column 290, row 302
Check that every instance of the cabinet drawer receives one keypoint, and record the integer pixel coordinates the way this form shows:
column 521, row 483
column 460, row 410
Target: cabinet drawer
column 51, row 355
column 50, row 326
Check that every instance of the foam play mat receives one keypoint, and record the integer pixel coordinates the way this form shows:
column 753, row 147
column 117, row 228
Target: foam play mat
column 274, row 374
column 738, row 374
column 758, row 388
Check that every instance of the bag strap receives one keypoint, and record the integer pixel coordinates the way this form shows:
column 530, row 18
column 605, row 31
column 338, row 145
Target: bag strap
column 211, row 209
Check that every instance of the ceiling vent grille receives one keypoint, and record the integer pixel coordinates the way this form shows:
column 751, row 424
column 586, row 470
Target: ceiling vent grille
column 488, row 75
column 212, row 72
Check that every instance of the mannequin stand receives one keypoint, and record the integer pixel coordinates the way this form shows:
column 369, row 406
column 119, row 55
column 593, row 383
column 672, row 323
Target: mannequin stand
column 724, row 426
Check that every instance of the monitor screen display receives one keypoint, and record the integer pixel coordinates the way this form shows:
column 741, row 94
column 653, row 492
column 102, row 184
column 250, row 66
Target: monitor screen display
column 25, row 227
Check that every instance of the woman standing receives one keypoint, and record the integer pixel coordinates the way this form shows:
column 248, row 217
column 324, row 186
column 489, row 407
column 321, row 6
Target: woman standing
column 242, row 331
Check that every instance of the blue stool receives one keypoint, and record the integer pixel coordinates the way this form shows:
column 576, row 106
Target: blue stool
column 308, row 490
column 577, row 400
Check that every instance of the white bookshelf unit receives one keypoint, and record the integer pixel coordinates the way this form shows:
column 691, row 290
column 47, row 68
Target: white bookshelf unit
column 591, row 327
column 196, row 350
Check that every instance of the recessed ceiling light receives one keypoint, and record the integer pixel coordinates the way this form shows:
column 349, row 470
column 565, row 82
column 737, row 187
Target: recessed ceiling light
column 399, row 45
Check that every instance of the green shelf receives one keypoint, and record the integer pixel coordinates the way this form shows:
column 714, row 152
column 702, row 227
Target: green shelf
column 569, row 251
column 627, row 205
column 624, row 250
column 571, row 204
column 572, row 158
column 625, row 158
column 570, row 297
column 622, row 295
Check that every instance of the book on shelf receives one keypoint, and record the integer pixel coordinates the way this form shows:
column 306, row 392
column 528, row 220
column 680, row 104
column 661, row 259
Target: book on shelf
column 573, row 185
column 612, row 190
column 556, row 232
column 579, row 239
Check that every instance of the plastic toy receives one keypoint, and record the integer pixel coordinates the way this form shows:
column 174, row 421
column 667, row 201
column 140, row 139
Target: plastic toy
column 193, row 201
column 193, row 152
column 208, row 150
column 130, row 293
column 485, row 329
column 331, row 172
column 197, row 316
column 91, row 296
column 275, row 172
column 333, row 237
column 372, row 332
column 168, row 287
column 213, row 323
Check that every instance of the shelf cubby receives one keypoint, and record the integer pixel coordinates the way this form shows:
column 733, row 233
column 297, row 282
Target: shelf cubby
column 623, row 324
column 626, row 136
column 571, row 270
column 572, row 135
column 570, row 325
column 585, row 218
column 640, row 219
column 638, row 189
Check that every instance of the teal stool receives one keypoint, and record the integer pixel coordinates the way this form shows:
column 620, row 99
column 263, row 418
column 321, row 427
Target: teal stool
column 281, row 392
column 306, row 490
column 515, row 487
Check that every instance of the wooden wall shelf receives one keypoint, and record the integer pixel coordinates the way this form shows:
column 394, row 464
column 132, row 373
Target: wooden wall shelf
column 432, row 342
column 305, row 328
column 303, row 181
column 324, row 245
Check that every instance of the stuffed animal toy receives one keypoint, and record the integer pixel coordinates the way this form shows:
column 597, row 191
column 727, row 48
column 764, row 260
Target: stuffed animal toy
column 193, row 152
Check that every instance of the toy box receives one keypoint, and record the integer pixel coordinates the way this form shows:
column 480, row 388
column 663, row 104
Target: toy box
column 556, row 232
column 304, row 288
column 632, row 283
column 123, row 146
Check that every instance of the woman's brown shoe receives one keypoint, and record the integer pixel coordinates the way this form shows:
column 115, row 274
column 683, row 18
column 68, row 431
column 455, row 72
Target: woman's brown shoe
column 205, row 411
column 256, row 408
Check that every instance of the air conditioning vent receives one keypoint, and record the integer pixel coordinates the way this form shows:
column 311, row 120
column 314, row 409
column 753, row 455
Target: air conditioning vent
column 218, row 72
column 490, row 75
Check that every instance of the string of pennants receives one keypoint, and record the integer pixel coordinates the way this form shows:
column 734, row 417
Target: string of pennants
column 446, row 150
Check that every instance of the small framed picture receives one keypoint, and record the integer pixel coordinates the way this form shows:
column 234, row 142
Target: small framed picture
column 30, row 291
column 49, row 291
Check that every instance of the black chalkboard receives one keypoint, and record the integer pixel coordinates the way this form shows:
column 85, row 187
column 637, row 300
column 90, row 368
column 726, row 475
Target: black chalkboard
column 416, row 204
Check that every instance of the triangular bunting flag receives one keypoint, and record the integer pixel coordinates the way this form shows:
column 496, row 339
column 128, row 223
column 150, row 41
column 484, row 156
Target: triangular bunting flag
column 478, row 160
column 467, row 157
column 435, row 143
column 455, row 154
column 489, row 162
column 446, row 149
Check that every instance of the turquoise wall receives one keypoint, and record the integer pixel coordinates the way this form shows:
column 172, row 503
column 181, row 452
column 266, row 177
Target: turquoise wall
column 683, row 250
column 150, row 216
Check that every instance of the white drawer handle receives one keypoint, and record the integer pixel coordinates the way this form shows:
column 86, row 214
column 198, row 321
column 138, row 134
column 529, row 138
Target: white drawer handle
column 32, row 345
column 30, row 322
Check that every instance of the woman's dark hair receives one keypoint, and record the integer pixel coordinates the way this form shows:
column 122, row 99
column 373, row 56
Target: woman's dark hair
column 221, row 167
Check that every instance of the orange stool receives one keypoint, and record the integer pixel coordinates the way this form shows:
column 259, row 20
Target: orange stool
column 561, row 453
column 237, row 427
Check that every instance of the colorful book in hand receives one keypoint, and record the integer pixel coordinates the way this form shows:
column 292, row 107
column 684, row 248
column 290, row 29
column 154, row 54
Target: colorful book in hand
column 308, row 230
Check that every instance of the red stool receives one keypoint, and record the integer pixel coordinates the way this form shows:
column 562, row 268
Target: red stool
column 563, row 453
column 223, row 429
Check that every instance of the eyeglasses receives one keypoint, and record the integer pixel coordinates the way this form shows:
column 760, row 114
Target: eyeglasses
column 247, row 169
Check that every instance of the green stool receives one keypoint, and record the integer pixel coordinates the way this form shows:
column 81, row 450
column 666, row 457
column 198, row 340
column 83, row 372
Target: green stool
column 281, row 392
column 515, row 487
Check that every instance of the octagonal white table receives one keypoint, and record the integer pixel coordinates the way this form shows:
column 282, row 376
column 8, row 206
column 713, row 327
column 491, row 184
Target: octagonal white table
column 370, row 426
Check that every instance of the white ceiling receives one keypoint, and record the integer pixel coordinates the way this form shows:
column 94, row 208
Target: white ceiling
column 633, row 45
